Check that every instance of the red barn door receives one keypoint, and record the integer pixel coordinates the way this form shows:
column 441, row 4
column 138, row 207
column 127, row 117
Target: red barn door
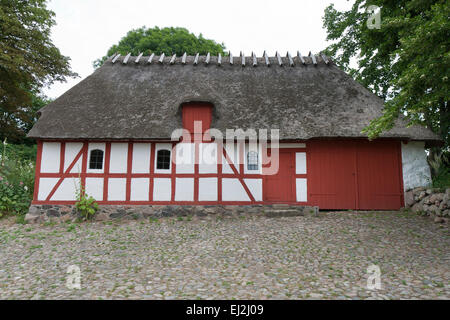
column 379, row 175
column 355, row 175
column 331, row 175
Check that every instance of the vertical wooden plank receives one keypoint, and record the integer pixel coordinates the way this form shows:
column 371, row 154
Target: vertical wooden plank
column 62, row 157
column 129, row 169
column 196, row 167
column 173, row 172
column 106, row 170
column 37, row 170
column 84, row 165
column 152, row 170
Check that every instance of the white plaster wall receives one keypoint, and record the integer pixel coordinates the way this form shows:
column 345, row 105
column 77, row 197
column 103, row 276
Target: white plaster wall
column 67, row 190
column 45, row 186
column 185, row 158
column 94, row 188
column 184, row 189
column 51, row 155
column 119, row 158
column 141, row 158
column 232, row 153
column 300, row 163
column 117, row 189
column 255, row 186
column 232, row 190
column 416, row 172
column 139, row 189
column 301, row 191
column 207, row 158
column 72, row 149
column 94, row 146
column 162, row 190
column 207, row 189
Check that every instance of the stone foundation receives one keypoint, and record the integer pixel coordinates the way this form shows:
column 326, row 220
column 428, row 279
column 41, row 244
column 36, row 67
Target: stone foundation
column 429, row 202
column 62, row 213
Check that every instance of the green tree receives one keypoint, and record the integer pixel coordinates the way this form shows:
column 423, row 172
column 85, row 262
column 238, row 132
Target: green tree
column 406, row 61
column 166, row 40
column 28, row 61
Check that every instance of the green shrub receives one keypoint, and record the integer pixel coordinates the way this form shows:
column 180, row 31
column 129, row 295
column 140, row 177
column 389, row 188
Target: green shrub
column 442, row 178
column 16, row 181
column 86, row 205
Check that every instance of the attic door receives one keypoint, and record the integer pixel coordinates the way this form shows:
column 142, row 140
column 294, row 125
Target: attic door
column 197, row 111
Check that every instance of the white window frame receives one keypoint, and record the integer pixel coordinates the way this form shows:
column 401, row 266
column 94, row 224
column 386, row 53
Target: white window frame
column 96, row 146
column 163, row 146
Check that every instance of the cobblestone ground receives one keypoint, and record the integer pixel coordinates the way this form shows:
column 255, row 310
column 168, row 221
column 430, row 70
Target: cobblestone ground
column 323, row 257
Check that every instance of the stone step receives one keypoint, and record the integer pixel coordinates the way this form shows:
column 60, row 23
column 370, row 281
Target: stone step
column 284, row 213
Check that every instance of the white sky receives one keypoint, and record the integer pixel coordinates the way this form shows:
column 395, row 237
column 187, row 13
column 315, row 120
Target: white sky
column 86, row 29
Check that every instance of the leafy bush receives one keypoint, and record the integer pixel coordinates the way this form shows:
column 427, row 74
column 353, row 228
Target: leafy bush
column 16, row 180
column 442, row 178
column 86, row 205
column 440, row 171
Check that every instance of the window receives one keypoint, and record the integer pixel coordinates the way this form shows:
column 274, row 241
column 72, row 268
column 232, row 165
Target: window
column 163, row 159
column 96, row 159
column 252, row 160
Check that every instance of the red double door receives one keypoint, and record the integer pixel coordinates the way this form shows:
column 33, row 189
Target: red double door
column 355, row 175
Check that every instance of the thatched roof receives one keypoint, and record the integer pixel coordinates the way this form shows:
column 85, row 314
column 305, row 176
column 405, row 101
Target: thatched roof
column 125, row 99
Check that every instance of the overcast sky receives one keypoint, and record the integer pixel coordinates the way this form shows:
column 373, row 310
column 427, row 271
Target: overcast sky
column 86, row 29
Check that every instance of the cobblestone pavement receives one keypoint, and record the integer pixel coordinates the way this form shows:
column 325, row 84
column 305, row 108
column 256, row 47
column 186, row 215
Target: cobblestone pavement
column 323, row 257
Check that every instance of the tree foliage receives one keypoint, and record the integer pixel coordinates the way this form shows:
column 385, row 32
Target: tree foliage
column 166, row 40
column 28, row 61
column 406, row 61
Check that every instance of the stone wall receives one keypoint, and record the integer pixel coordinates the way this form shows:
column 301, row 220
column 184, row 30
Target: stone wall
column 62, row 213
column 429, row 202
column 416, row 172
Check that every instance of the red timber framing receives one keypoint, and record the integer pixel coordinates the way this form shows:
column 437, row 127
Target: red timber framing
column 345, row 174
column 240, row 175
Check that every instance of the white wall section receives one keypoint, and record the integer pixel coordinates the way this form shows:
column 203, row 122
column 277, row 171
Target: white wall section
column 416, row 172
column 119, row 158
column 185, row 158
column 300, row 162
column 301, row 190
column 232, row 190
column 117, row 189
column 72, row 149
column 67, row 190
column 139, row 189
column 45, row 186
column 94, row 188
column 141, row 158
column 207, row 189
column 184, row 189
column 162, row 190
column 255, row 187
column 51, row 155
column 207, row 158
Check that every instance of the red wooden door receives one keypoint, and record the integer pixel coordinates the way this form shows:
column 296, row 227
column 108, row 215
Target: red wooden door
column 355, row 175
column 331, row 174
column 279, row 187
column 379, row 175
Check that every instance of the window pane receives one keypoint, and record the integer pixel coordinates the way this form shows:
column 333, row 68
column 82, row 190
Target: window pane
column 163, row 159
column 96, row 159
column 252, row 160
